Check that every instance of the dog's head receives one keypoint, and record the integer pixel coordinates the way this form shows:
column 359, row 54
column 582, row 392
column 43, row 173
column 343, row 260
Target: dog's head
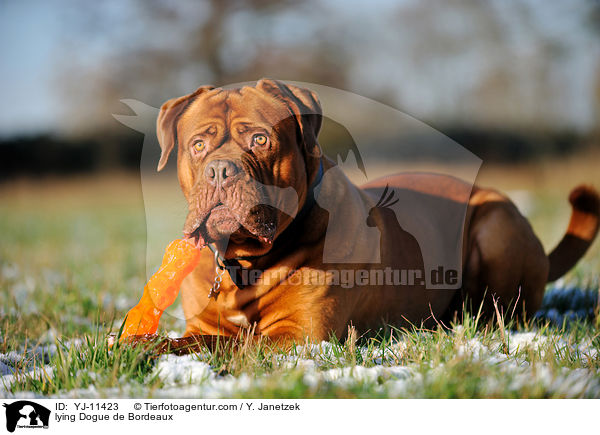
column 240, row 154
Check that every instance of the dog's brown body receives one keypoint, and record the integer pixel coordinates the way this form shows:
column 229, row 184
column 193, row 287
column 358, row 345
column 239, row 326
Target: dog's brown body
column 268, row 133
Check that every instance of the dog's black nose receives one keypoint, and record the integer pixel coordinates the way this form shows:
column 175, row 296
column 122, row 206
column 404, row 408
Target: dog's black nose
column 218, row 172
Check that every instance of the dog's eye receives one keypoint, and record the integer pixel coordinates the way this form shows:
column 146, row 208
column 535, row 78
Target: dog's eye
column 198, row 145
column 260, row 139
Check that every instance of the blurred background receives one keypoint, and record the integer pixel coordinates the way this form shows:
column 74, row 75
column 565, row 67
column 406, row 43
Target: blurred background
column 509, row 80
column 515, row 82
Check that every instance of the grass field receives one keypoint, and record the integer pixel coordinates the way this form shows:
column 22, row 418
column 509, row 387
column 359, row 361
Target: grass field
column 72, row 261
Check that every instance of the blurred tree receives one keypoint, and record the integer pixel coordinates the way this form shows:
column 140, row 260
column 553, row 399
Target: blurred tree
column 493, row 66
column 490, row 64
column 154, row 51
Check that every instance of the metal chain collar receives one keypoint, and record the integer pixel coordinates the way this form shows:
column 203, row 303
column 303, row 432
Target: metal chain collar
column 219, row 272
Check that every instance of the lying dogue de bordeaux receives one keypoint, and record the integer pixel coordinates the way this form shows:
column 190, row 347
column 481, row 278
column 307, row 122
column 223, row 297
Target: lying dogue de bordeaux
column 234, row 143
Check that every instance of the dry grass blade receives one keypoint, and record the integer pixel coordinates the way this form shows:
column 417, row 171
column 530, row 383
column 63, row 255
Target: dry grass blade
column 501, row 328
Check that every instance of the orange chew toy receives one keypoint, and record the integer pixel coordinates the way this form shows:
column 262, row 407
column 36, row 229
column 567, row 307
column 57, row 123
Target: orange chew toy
column 181, row 257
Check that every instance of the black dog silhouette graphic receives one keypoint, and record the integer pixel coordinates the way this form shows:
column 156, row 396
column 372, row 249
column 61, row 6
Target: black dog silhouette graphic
column 26, row 413
column 382, row 212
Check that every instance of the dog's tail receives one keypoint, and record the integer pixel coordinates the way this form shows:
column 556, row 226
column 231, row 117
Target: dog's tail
column 581, row 232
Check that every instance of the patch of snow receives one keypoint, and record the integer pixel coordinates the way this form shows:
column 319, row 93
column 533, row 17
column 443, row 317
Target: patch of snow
column 9, row 271
column 6, row 369
column 120, row 302
column 191, row 376
column 518, row 341
column 173, row 370
column 8, row 380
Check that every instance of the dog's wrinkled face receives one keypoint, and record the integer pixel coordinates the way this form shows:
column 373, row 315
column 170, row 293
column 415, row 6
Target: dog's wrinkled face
column 242, row 161
column 231, row 144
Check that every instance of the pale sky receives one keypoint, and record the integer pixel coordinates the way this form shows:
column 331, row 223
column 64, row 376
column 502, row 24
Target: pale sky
column 34, row 58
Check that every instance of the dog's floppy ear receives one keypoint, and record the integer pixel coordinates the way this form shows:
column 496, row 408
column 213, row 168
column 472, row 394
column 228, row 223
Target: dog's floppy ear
column 305, row 106
column 166, row 125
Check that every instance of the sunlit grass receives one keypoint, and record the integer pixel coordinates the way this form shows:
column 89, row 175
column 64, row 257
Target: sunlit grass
column 72, row 261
